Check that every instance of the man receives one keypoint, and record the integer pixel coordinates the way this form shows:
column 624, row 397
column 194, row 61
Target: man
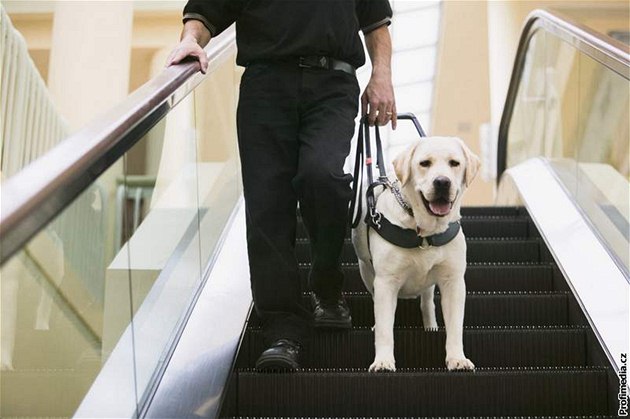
column 298, row 101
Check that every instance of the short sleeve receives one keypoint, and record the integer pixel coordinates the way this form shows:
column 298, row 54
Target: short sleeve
column 216, row 15
column 373, row 14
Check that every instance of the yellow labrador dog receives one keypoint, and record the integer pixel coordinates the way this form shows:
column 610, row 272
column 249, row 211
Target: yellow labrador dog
column 433, row 175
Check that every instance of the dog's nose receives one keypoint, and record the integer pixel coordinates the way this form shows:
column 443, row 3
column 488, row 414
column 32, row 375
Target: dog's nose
column 442, row 183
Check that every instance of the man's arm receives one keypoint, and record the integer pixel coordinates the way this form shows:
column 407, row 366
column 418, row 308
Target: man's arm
column 378, row 98
column 194, row 37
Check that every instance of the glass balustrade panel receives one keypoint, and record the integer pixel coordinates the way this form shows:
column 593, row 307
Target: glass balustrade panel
column 218, row 164
column 527, row 127
column 180, row 193
column 559, row 134
column 602, row 154
column 57, row 307
column 573, row 110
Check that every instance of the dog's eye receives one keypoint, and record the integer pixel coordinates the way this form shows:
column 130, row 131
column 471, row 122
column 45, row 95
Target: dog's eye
column 425, row 163
column 453, row 163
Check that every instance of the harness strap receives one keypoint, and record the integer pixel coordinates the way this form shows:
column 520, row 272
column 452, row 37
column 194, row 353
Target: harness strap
column 408, row 238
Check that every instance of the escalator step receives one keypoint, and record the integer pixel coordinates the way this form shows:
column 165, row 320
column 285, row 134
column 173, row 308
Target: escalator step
column 493, row 211
column 530, row 361
column 527, row 391
column 485, row 211
column 479, row 250
column 475, row 227
column 416, row 348
column 481, row 309
column 495, row 277
column 497, row 227
column 433, row 417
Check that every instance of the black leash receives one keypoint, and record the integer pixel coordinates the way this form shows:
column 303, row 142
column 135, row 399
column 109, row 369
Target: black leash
column 402, row 237
column 364, row 155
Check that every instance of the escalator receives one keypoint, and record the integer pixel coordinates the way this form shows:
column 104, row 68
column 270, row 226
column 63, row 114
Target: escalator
column 547, row 278
column 150, row 314
column 534, row 351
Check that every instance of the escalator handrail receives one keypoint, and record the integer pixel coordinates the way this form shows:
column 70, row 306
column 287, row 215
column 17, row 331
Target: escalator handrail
column 40, row 191
column 608, row 51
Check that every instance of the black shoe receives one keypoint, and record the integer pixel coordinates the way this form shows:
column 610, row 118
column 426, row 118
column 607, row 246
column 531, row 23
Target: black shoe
column 282, row 355
column 331, row 313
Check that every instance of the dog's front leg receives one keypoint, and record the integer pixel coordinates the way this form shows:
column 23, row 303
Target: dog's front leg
column 453, row 302
column 427, row 306
column 385, row 299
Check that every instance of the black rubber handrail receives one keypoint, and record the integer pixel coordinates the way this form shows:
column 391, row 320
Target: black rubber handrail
column 609, row 52
column 35, row 195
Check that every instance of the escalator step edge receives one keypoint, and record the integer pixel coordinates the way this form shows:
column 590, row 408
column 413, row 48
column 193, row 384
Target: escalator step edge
column 492, row 391
column 420, row 417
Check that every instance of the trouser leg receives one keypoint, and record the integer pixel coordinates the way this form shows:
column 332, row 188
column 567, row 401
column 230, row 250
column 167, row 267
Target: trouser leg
column 328, row 108
column 268, row 125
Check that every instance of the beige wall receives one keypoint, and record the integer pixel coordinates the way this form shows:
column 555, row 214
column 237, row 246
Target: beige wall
column 152, row 31
column 461, row 94
column 89, row 58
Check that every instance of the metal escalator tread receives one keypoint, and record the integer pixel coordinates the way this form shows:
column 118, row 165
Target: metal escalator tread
column 417, row 348
column 493, row 211
column 483, row 211
column 481, row 309
column 420, row 417
column 477, row 226
column 478, row 250
column 425, row 392
column 533, row 356
column 479, row 277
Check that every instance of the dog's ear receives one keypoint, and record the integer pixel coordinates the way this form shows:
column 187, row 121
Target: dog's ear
column 402, row 164
column 472, row 164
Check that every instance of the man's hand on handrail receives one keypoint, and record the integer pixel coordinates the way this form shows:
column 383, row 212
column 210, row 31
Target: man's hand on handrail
column 194, row 37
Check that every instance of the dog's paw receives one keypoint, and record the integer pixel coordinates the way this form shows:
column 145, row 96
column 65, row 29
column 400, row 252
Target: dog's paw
column 431, row 328
column 383, row 365
column 459, row 364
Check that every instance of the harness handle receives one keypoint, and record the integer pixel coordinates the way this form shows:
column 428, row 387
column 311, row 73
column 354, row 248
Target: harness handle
column 364, row 156
column 416, row 123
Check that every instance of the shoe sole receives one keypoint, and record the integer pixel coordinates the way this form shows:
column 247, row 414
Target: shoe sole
column 333, row 324
column 276, row 363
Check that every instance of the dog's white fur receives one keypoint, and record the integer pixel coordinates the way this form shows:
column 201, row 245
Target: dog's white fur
column 390, row 272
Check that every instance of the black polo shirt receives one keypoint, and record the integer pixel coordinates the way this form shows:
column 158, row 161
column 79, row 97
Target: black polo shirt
column 282, row 29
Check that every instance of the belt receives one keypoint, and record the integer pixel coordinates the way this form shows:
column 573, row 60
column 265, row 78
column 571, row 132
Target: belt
column 313, row 61
column 327, row 63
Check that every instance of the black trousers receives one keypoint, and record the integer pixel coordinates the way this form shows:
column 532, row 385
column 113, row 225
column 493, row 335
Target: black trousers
column 294, row 131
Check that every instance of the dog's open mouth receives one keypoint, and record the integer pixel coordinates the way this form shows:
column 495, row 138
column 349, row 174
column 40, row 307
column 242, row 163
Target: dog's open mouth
column 439, row 207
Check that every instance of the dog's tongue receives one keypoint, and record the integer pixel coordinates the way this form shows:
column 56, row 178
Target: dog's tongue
column 440, row 207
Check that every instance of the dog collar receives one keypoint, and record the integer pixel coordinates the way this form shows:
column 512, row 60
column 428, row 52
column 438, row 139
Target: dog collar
column 393, row 186
column 408, row 238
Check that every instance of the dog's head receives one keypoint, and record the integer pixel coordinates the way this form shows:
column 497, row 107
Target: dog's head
column 434, row 173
